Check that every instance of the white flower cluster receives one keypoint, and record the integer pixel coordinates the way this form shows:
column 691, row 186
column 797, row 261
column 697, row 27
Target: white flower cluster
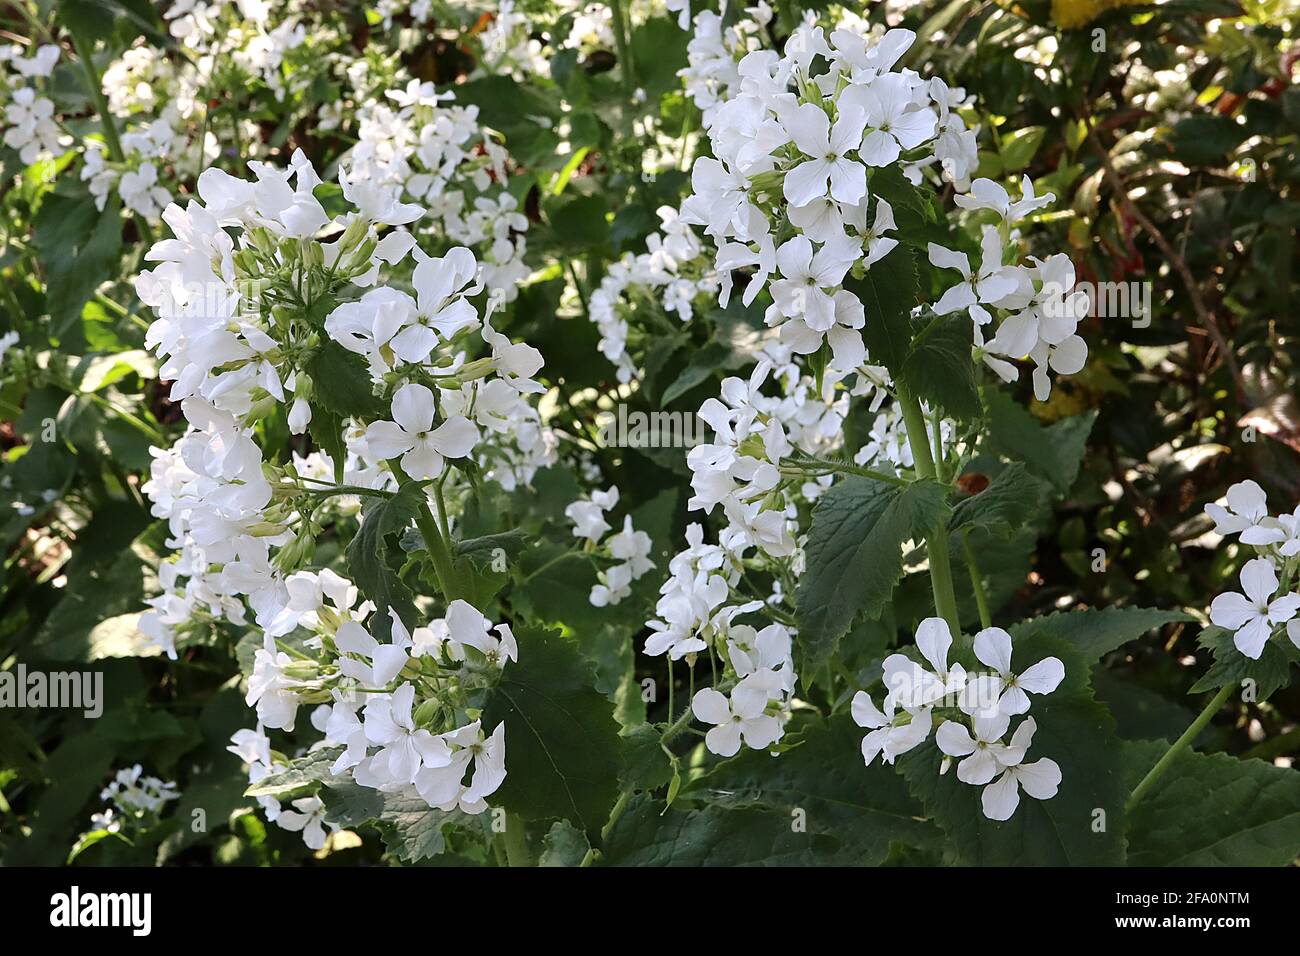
column 136, row 801
column 981, row 705
column 29, row 123
column 1256, row 613
column 382, row 700
column 245, row 294
column 629, row 549
column 670, row 274
column 1042, row 307
column 437, row 151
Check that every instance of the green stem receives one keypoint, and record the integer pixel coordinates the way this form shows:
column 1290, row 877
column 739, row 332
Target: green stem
column 517, row 842
column 812, row 462
column 96, row 85
column 620, row 40
column 945, row 599
column 439, row 552
column 1179, row 745
column 976, row 583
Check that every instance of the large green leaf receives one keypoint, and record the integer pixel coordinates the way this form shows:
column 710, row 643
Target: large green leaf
column 79, row 246
column 855, row 554
column 647, row 834
column 822, row 780
column 563, row 752
column 1213, row 810
column 1010, row 501
column 939, row 368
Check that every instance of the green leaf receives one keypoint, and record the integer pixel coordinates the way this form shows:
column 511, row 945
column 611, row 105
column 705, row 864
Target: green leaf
column 647, row 835
column 79, row 246
column 1053, row 453
column 939, row 367
column 411, row 829
column 855, row 554
column 1213, row 810
column 342, row 382
column 1271, row 672
column 563, row 845
column 1018, row 147
column 1010, row 501
column 1093, row 633
column 863, row 809
column 888, row 293
column 563, row 752
column 373, row 554
column 698, row 370
column 302, row 773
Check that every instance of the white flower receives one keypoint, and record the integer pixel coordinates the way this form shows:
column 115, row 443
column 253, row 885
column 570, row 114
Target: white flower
column 910, row 684
column 811, row 130
column 1253, row 614
column 1246, row 514
column 895, row 125
column 588, row 515
column 405, row 748
column 735, row 720
column 893, row 732
column 274, row 694
column 309, row 818
column 1039, row 779
column 986, row 194
column 1004, row 691
column 985, row 752
column 411, row 434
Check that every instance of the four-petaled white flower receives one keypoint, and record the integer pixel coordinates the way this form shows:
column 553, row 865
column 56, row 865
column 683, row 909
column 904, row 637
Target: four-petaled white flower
column 734, row 720
column 893, row 731
column 1005, row 691
column 1252, row 615
column 1039, row 779
column 829, row 146
column 411, row 434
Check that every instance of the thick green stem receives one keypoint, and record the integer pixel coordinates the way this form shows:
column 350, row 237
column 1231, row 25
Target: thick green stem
column 517, row 842
column 945, row 599
column 1179, row 745
column 976, row 583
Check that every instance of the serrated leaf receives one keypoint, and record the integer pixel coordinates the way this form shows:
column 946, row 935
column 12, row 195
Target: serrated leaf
column 342, row 382
column 563, row 845
column 1053, row 453
column 888, row 294
column 864, row 809
column 646, row 835
column 1270, row 672
column 411, row 829
column 855, row 554
column 1093, row 633
column 1213, row 810
column 1010, row 501
column 563, row 752
column 302, row 773
column 939, row 367
column 373, row 551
